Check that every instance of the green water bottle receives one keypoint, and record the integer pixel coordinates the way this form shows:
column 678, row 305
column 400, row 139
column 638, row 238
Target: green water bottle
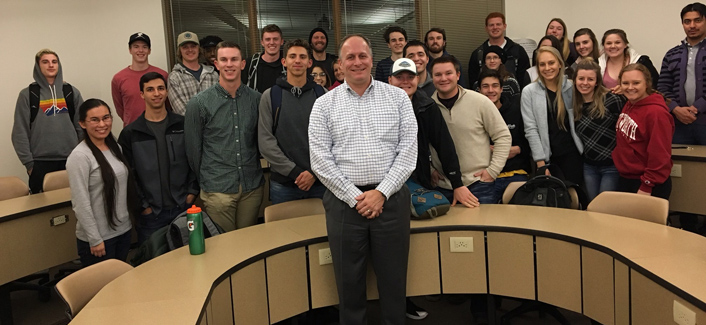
column 194, row 221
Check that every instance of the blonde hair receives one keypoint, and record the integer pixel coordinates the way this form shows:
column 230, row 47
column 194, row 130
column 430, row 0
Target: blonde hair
column 566, row 49
column 42, row 52
column 559, row 101
column 597, row 107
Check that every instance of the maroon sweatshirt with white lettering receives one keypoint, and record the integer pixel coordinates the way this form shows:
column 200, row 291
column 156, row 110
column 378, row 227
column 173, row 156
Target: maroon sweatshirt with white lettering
column 643, row 148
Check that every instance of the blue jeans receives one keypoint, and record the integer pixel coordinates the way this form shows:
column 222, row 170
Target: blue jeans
column 280, row 193
column 116, row 247
column 599, row 179
column 689, row 133
column 485, row 192
column 501, row 184
column 149, row 223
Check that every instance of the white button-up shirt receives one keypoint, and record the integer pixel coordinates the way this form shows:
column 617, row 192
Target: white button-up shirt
column 363, row 140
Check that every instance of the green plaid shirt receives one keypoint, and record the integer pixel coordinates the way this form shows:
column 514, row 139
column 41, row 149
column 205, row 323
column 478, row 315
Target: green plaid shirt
column 221, row 139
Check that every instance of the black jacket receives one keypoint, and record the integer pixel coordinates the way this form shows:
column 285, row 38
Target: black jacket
column 513, row 118
column 433, row 130
column 517, row 61
column 140, row 149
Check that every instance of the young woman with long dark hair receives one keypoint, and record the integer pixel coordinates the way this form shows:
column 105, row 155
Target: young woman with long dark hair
column 586, row 46
column 102, row 192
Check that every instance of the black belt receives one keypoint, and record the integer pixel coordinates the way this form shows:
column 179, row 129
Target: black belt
column 365, row 188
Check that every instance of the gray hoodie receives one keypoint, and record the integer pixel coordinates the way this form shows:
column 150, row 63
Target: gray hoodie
column 53, row 135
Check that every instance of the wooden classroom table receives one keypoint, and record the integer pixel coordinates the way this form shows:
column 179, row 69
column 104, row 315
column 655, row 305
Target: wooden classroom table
column 613, row 269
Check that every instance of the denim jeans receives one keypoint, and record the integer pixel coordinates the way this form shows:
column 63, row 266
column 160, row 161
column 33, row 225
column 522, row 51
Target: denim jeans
column 149, row 223
column 689, row 133
column 599, row 179
column 501, row 184
column 116, row 247
column 280, row 193
column 485, row 192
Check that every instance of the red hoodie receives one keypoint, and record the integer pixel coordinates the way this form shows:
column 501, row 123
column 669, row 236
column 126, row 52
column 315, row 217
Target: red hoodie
column 644, row 142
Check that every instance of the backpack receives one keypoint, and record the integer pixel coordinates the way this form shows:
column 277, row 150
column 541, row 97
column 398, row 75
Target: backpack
column 276, row 99
column 178, row 232
column 426, row 204
column 34, row 101
column 154, row 246
column 252, row 72
column 548, row 191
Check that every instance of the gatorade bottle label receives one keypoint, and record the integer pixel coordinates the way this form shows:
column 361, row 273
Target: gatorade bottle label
column 190, row 225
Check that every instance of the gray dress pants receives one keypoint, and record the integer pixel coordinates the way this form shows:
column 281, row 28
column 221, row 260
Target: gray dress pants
column 385, row 240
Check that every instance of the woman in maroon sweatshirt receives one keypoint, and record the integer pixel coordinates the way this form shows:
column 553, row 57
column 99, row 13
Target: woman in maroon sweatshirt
column 643, row 152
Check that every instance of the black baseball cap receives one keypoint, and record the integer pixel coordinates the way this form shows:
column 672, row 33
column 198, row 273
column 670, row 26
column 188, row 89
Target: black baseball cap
column 139, row 36
column 210, row 41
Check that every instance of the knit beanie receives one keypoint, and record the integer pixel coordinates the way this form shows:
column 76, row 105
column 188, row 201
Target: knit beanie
column 497, row 50
column 318, row 29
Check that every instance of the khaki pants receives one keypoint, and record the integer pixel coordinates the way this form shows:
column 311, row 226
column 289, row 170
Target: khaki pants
column 233, row 211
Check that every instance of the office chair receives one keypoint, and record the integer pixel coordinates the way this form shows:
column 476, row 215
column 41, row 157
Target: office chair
column 78, row 288
column 294, row 209
column 56, row 180
column 631, row 205
column 12, row 187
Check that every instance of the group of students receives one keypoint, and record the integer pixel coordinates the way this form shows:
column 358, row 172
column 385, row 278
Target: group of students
column 595, row 116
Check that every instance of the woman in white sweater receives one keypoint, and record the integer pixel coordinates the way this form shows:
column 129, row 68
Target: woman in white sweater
column 99, row 180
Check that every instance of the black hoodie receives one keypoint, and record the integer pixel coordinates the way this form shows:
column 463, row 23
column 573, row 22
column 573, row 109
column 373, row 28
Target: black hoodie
column 517, row 61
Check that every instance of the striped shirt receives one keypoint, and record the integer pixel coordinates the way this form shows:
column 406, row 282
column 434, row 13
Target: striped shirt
column 221, row 139
column 363, row 140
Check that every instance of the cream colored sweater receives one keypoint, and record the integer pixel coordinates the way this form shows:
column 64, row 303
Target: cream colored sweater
column 473, row 121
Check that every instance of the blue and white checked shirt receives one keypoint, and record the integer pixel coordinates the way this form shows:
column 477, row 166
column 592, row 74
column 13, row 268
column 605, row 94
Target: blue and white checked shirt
column 363, row 140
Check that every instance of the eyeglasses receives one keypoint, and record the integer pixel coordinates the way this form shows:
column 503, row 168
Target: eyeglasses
column 322, row 75
column 95, row 120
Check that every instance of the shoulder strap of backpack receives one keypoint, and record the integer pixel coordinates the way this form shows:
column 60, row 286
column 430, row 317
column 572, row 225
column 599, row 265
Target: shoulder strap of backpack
column 319, row 91
column 69, row 98
column 480, row 56
column 252, row 73
column 33, row 102
column 276, row 99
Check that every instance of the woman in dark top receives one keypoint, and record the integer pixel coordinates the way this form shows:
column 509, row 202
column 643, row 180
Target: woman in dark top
column 596, row 111
column 549, row 119
column 495, row 60
column 557, row 27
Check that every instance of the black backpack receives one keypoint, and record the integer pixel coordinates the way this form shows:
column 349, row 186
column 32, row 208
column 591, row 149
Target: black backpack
column 548, row 191
column 34, row 101
column 178, row 232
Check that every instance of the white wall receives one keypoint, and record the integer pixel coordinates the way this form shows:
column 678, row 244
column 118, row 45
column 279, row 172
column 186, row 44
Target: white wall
column 91, row 40
column 652, row 26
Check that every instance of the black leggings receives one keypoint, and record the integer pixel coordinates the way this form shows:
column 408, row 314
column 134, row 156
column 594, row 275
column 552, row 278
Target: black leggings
column 571, row 166
column 632, row 185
